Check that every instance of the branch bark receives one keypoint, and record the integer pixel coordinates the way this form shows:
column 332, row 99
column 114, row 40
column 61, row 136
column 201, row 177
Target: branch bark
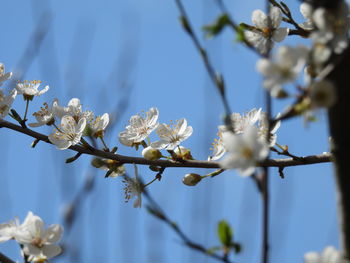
column 281, row 163
column 341, row 144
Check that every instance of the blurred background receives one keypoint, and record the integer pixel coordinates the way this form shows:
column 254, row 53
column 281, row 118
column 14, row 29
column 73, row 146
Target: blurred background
column 124, row 57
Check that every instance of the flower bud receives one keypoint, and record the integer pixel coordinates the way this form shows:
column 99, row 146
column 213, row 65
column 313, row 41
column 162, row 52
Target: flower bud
column 191, row 179
column 151, row 154
column 183, row 153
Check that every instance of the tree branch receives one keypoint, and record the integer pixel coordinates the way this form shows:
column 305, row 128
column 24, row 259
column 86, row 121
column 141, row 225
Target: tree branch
column 122, row 159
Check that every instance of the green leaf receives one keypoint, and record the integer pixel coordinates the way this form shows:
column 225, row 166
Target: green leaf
column 225, row 233
column 217, row 26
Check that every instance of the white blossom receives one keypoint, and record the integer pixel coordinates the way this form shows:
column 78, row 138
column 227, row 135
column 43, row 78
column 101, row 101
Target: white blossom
column 98, row 125
column 74, row 109
column 43, row 117
column 306, row 10
column 263, row 129
column 38, row 242
column 30, row 88
column 8, row 230
column 4, row 76
column 288, row 63
column 328, row 255
column 139, row 128
column 6, row 102
column 332, row 26
column 245, row 150
column 172, row 136
column 240, row 123
column 322, row 94
column 133, row 188
column 69, row 133
column 261, row 36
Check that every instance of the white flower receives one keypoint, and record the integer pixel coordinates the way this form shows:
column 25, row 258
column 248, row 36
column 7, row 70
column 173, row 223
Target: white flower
column 6, row 102
column 239, row 123
column 133, row 188
column 329, row 255
column 263, row 128
column 170, row 137
column 245, row 150
column 261, row 37
column 151, row 154
column 43, row 117
column 8, row 230
column 4, row 76
column 139, row 128
column 332, row 26
column 322, row 94
column 38, row 242
column 306, row 10
column 30, row 88
column 286, row 67
column 73, row 109
column 69, row 132
column 98, row 126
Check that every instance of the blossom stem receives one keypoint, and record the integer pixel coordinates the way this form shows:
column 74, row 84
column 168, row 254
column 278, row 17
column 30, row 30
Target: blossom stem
column 54, row 125
column 150, row 182
column 26, row 111
column 213, row 174
column 104, row 143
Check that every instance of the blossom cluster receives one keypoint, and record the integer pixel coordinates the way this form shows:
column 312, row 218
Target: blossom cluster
column 246, row 143
column 328, row 29
column 328, row 255
column 38, row 243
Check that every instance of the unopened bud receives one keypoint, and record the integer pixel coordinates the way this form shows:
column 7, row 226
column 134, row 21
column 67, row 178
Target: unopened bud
column 97, row 162
column 191, row 179
column 151, row 154
column 183, row 153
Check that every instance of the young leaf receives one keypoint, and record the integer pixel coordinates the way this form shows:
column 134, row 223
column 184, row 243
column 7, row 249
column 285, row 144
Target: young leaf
column 225, row 233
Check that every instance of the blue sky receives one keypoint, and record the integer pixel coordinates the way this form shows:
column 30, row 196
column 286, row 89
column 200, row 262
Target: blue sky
column 102, row 51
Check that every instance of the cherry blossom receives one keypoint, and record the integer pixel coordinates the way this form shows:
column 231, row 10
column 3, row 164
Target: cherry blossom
column 43, row 117
column 6, row 102
column 69, row 133
column 245, row 150
column 98, row 125
column 29, row 89
column 74, row 109
column 172, row 136
column 288, row 63
column 4, row 76
column 260, row 36
column 328, row 255
column 133, row 188
column 139, row 128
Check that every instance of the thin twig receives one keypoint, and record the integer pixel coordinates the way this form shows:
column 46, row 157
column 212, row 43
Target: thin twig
column 216, row 78
column 154, row 209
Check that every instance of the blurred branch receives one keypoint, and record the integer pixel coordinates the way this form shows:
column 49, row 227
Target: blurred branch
column 286, row 162
column 155, row 210
column 216, row 78
column 4, row 259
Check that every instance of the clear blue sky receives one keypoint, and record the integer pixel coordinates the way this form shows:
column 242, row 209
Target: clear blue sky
column 99, row 51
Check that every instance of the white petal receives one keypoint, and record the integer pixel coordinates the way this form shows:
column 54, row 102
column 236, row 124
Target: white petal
column 259, row 19
column 276, row 17
column 51, row 251
column 43, row 91
column 60, row 143
column 53, row 233
column 280, row 33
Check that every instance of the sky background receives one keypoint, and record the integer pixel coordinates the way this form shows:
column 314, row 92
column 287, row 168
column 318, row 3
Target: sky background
column 124, row 57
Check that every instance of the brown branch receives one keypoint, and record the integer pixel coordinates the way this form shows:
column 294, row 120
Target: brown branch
column 286, row 162
column 4, row 259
